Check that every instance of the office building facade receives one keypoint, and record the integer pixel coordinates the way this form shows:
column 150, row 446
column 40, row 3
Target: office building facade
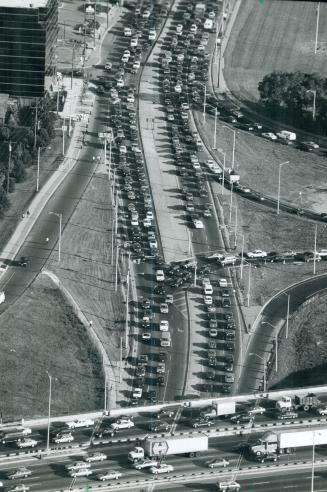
column 28, row 37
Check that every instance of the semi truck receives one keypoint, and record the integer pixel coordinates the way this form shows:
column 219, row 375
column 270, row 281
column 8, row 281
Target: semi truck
column 288, row 440
column 158, row 447
column 302, row 402
column 219, row 409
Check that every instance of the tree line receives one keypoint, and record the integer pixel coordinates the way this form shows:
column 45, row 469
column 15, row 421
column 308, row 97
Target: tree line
column 290, row 96
column 20, row 136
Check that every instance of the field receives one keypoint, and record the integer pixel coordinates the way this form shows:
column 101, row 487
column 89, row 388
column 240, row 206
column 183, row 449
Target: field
column 41, row 333
column 275, row 35
column 302, row 357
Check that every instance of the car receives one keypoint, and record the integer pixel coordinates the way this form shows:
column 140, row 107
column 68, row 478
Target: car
column 169, row 299
column 161, row 468
column 226, row 302
column 27, row 443
column 256, row 410
column 213, row 333
column 146, row 463
column 140, row 371
column 202, row 422
column 22, row 472
column 108, row 66
column 257, row 253
column 164, row 309
column 23, row 262
column 198, row 224
column 63, row 438
column 164, row 325
column 217, row 463
column 287, row 415
column 229, row 486
column 109, row 475
column 241, row 418
column 322, row 410
column 267, row 457
column 160, row 381
column 207, row 300
column 159, row 426
column 127, row 31
column 269, row 135
column 161, row 368
column 225, row 293
column 137, row 393
column 222, row 282
column 178, row 88
column 94, row 457
column 21, row 487
column 160, row 276
column 122, row 424
column 78, row 465
column 80, row 423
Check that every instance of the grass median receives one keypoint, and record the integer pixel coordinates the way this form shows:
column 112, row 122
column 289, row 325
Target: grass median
column 40, row 333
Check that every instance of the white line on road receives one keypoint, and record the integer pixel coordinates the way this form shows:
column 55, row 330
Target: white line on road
column 11, row 276
column 259, row 483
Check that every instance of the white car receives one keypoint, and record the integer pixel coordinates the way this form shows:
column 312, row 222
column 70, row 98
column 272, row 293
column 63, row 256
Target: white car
column 146, row 463
column 196, row 165
column 178, row 88
column 124, row 58
column 193, row 28
column 207, row 300
column 147, row 223
column 80, row 423
column 213, row 332
column 93, row 457
column 152, row 35
column 149, row 215
column 257, row 253
column 122, row 424
column 160, row 276
column 108, row 66
column 134, row 42
column 210, row 163
column 217, row 463
column 27, row 443
column 82, row 472
column 229, row 486
column 137, row 393
column 208, row 290
column 22, row 472
column 63, row 438
column 130, row 98
column 136, row 65
column 169, row 299
column 256, row 411
column 164, row 325
column 153, row 244
column 78, row 465
column 322, row 410
column 122, row 149
column 198, row 224
column 109, row 475
column 127, row 31
column 146, row 336
column 164, row 309
column 222, row 282
column 18, row 488
column 161, row 468
column 269, row 135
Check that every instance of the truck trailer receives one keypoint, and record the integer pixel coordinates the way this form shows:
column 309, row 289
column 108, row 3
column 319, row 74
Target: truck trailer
column 219, row 409
column 285, row 441
column 159, row 447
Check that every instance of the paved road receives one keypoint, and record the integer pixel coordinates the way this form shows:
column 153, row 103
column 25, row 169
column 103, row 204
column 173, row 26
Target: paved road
column 274, row 312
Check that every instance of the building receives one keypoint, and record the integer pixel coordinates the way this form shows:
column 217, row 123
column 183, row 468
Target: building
column 28, row 36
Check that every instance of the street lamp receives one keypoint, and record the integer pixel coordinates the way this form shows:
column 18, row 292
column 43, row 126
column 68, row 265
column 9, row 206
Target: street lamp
column 224, row 166
column 276, row 343
column 242, row 256
column 49, row 409
column 314, row 92
column 279, row 173
column 264, row 370
column 234, row 143
column 317, row 27
column 60, row 222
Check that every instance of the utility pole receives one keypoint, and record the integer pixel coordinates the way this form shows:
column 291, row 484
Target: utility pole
column 112, row 241
column 231, row 203
column 116, row 268
column 215, row 131
column 72, row 75
column 317, row 27
column 127, row 305
column 242, row 256
column 63, row 137
column 315, row 251
column 235, row 232
column 204, row 104
column 49, row 410
column 36, row 122
column 287, row 315
column 8, row 169
column 38, row 169
column 249, row 286
column 121, row 359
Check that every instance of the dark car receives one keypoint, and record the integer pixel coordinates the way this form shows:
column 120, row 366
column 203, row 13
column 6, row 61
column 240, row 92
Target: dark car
column 162, row 356
column 241, row 418
column 202, row 422
column 23, row 262
column 160, row 381
column 267, row 457
column 226, row 302
column 159, row 426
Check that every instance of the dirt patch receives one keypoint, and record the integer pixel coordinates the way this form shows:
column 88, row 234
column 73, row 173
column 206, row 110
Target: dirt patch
column 302, row 357
column 40, row 333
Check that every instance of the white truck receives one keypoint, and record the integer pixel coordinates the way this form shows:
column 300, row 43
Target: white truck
column 303, row 402
column 285, row 441
column 219, row 409
column 2, row 297
column 156, row 447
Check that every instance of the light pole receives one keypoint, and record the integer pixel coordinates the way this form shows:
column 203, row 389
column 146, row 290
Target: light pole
column 279, row 173
column 276, row 343
column 38, row 169
column 215, row 131
column 9, row 165
column 264, row 370
column 242, row 256
column 314, row 92
column 249, row 286
column 317, row 27
column 224, row 166
column 231, row 203
column 236, row 224
column 287, row 314
column 234, row 144
column 315, row 251
column 49, row 410
column 60, row 222
column 204, row 103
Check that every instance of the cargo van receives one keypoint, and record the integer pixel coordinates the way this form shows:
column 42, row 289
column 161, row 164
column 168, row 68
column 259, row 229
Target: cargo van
column 228, row 260
column 165, row 340
column 285, row 135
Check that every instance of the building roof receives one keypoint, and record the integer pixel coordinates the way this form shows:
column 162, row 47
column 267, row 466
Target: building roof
column 23, row 3
column 3, row 105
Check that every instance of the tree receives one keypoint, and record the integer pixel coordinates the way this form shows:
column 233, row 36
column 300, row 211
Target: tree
column 4, row 201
